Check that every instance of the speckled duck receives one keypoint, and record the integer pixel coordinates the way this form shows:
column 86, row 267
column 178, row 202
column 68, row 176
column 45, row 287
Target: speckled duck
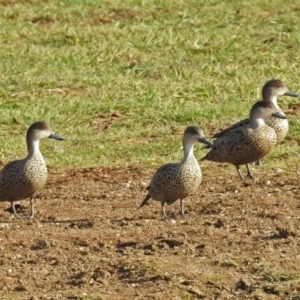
column 249, row 143
column 175, row 181
column 21, row 179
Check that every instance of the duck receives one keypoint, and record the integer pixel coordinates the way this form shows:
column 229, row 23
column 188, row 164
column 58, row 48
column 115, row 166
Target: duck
column 23, row 178
column 176, row 181
column 249, row 143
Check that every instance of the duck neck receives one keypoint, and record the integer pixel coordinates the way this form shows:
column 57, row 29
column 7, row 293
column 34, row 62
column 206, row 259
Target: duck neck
column 273, row 100
column 188, row 150
column 33, row 148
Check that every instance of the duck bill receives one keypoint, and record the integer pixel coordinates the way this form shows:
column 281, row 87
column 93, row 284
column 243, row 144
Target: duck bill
column 206, row 142
column 56, row 137
column 278, row 115
column 291, row 94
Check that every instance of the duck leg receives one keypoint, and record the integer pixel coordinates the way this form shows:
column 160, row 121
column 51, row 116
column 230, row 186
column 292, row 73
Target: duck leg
column 249, row 173
column 163, row 211
column 31, row 210
column 182, row 207
column 257, row 163
column 239, row 171
column 14, row 210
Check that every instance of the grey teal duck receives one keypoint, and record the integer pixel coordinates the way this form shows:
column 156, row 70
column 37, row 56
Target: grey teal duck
column 249, row 143
column 175, row 181
column 21, row 179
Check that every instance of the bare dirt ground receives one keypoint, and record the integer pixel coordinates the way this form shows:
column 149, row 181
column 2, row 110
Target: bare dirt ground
column 90, row 240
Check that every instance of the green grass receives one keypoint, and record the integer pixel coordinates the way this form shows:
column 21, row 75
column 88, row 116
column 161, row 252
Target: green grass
column 161, row 65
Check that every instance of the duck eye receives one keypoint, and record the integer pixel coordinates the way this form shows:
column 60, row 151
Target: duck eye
column 42, row 126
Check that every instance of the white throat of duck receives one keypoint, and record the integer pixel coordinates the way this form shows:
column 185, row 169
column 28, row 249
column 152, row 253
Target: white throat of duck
column 188, row 149
column 273, row 99
column 33, row 147
column 258, row 122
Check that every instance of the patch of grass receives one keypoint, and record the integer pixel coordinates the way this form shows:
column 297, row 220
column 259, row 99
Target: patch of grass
column 228, row 263
column 277, row 276
column 163, row 65
column 186, row 295
column 88, row 296
column 275, row 281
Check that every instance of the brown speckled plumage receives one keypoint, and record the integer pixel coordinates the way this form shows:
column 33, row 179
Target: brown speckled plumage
column 175, row 181
column 248, row 143
column 21, row 179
